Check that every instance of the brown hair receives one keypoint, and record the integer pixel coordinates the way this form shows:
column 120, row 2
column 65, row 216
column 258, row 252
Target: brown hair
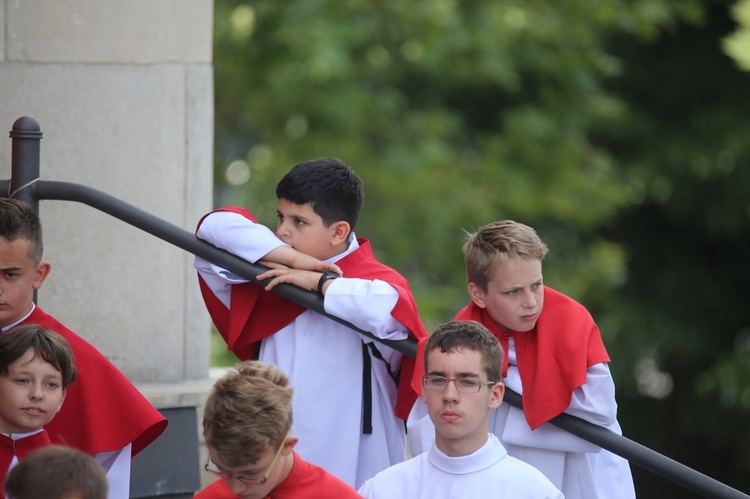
column 459, row 335
column 494, row 244
column 57, row 472
column 248, row 411
column 19, row 221
column 47, row 345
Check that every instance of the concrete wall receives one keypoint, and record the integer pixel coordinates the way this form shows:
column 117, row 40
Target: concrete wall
column 123, row 93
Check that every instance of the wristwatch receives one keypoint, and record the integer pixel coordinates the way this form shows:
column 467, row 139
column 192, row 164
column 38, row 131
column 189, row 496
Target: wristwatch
column 327, row 276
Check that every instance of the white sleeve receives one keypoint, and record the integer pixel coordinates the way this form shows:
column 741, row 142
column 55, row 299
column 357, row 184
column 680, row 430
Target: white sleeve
column 116, row 465
column 238, row 235
column 595, row 400
column 367, row 305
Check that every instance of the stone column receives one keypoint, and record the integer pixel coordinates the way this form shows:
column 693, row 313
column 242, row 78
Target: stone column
column 123, row 93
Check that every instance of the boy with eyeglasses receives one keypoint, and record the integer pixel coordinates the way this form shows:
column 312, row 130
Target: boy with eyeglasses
column 555, row 358
column 462, row 384
column 247, row 426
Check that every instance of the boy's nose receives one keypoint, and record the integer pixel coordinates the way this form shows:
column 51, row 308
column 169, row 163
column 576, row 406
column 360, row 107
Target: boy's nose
column 281, row 229
column 451, row 392
column 36, row 392
column 236, row 486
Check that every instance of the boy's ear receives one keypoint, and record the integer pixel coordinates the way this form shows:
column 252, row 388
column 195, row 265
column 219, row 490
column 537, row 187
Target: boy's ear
column 340, row 232
column 289, row 445
column 497, row 391
column 477, row 295
column 40, row 274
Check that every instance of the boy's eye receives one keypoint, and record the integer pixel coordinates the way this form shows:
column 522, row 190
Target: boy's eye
column 468, row 383
column 53, row 385
column 22, row 381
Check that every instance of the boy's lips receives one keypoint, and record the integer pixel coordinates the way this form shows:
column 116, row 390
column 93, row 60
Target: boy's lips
column 450, row 416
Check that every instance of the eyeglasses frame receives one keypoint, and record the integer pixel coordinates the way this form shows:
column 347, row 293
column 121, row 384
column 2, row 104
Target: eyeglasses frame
column 247, row 479
column 455, row 383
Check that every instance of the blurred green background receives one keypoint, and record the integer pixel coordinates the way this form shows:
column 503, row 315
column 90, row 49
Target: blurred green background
column 620, row 130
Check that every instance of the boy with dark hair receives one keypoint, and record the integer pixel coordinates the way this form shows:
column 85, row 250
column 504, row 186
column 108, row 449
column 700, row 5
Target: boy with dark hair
column 247, row 424
column 462, row 384
column 555, row 358
column 36, row 368
column 345, row 383
column 57, row 472
column 106, row 416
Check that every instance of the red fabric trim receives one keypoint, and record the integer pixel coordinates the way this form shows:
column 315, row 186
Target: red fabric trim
column 554, row 356
column 102, row 411
column 305, row 481
column 255, row 314
column 552, row 360
column 21, row 447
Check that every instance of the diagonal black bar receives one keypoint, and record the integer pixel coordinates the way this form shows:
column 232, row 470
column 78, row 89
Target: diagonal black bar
column 638, row 454
column 630, row 450
column 65, row 191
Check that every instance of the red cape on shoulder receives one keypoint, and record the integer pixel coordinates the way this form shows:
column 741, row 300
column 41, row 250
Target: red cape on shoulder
column 102, row 411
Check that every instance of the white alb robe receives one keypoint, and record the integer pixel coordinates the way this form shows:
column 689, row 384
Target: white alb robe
column 323, row 359
column 487, row 473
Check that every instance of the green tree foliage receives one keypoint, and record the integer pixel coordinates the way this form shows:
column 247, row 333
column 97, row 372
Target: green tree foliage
column 614, row 127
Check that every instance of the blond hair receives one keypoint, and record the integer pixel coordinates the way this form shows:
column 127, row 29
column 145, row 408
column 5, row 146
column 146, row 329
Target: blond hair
column 248, row 411
column 494, row 244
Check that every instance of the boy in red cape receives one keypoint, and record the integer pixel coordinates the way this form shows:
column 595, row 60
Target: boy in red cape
column 247, row 425
column 104, row 415
column 36, row 368
column 350, row 404
column 555, row 358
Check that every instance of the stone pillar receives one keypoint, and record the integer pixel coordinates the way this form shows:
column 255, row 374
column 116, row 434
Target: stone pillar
column 123, row 92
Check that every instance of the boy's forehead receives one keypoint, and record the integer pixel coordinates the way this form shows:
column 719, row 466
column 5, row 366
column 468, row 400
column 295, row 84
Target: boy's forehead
column 289, row 209
column 516, row 272
column 19, row 248
column 460, row 359
column 29, row 356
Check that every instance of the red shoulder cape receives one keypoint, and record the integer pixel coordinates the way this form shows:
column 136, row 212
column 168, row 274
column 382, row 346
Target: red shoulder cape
column 255, row 314
column 552, row 358
column 305, row 481
column 102, row 411
column 21, row 448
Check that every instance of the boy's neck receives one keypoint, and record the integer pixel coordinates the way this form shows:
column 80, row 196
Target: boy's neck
column 341, row 249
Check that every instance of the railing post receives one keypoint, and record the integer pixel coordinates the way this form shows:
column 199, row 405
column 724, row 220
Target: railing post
column 24, row 167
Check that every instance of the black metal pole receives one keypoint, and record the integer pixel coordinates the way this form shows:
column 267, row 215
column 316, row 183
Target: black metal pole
column 65, row 191
column 26, row 137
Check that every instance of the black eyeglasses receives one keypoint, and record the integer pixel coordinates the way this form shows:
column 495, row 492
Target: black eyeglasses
column 243, row 478
column 463, row 385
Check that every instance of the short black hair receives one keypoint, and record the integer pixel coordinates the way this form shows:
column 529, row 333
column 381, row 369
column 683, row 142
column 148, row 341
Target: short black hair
column 329, row 185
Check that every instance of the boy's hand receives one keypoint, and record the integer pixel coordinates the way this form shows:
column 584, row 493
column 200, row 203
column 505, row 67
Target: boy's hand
column 290, row 258
column 304, row 279
column 307, row 262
